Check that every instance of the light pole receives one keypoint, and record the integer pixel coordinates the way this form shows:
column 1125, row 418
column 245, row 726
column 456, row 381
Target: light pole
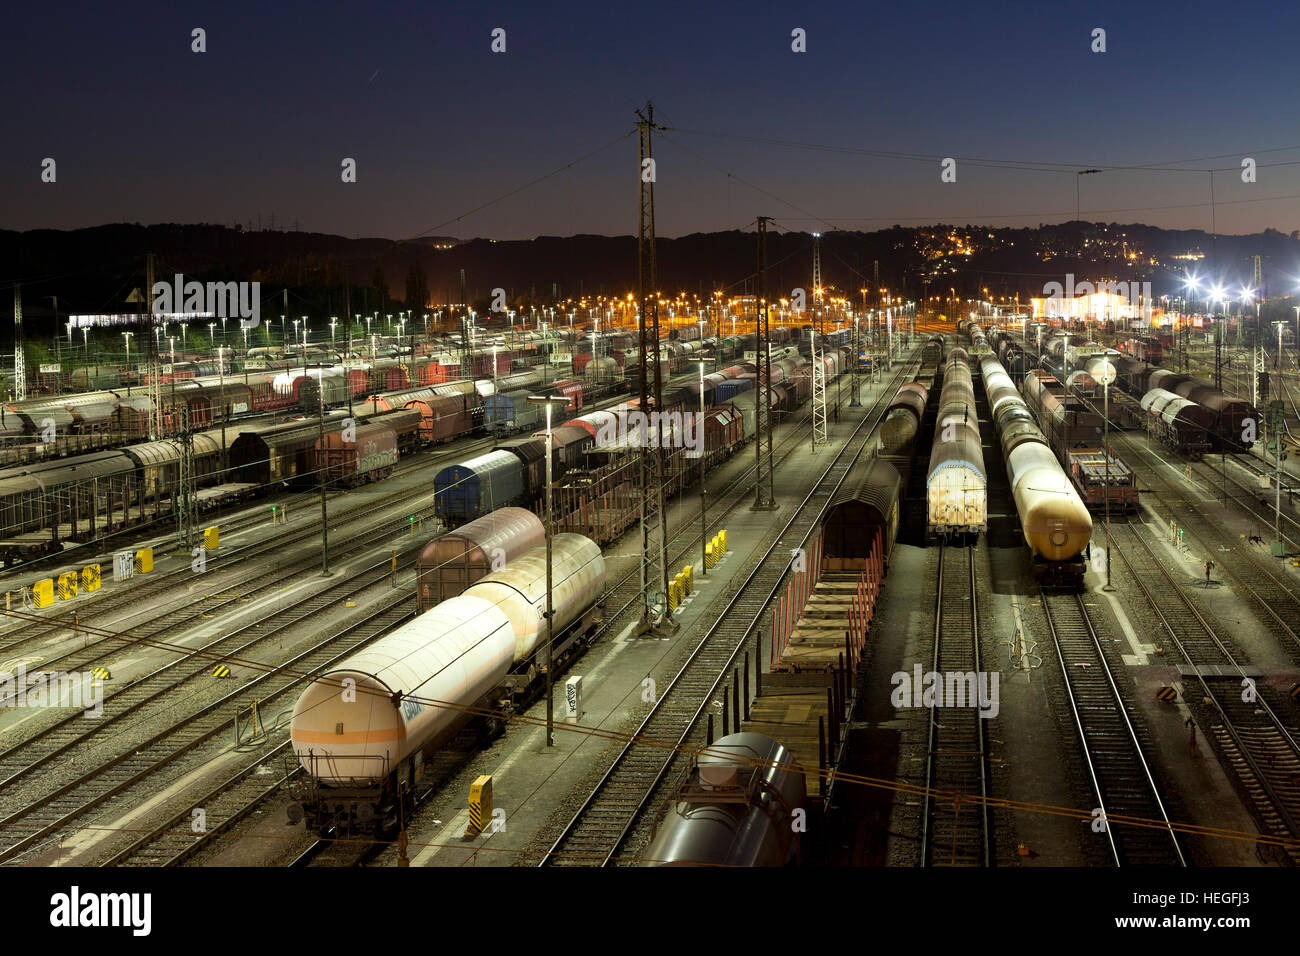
column 225, row 404
column 171, row 343
column 320, row 464
column 333, row 322
column 857, row 361
column 550, row 401
column 704, row 524
column 85, row 343
column 1108, row 373
column 127, row 335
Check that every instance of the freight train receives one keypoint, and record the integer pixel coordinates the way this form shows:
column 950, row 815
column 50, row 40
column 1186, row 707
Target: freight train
column 84, row 497
column 736, row 807
column 363, row 729
column 1074, row 429
column 593, row 471
column 1207, row 420
column 956, row 483
column 1054, row 523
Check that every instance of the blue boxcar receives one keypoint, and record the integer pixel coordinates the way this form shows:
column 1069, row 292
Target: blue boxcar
column 509, row 412
column 470, row 489
column 726, row 391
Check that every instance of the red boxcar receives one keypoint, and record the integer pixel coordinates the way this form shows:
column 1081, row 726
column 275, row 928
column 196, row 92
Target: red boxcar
column 373, row 454
column 443, row 417
column 570, row 387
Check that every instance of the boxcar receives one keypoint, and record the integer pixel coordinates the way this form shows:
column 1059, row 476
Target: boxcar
column 472, row 488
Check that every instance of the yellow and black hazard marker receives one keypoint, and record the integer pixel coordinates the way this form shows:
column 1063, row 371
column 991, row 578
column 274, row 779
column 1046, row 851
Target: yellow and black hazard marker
column 1166, row 693
column 480, row 804
column 221, row 670
column 101, row 673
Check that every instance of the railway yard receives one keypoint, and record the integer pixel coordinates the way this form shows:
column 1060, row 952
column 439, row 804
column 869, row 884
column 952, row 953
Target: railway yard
column 975, row 625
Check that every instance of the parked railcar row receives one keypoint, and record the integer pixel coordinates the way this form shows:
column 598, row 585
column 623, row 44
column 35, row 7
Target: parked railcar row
column 594, row 468
column 363, row 753
column 55, row 426
column 1054, row 523
column 1186, row 414
column 85, row 497
column 957, row 483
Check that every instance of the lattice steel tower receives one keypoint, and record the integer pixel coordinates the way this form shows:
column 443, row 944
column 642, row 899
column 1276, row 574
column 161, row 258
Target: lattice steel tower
column 817, row 350
column 654, row 521
column 152, row 363
column 20, row 360
column 764, row 498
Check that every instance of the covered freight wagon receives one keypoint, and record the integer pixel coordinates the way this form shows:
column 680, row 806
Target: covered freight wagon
column 372, row 455
column 452, row 562
column 472, row 488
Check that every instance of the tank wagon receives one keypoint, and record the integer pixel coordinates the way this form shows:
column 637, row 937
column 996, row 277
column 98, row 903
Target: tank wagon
column 363, row 730
column 735, row 807
column 956, row 486
column 452, row 562
column 1054, row 523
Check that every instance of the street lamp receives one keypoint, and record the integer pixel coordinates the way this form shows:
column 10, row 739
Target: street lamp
column 85, row 342
column 549, row 401
column 704, row 526
column 127, row 335
column 320, row 464
column 1108, row 373
column 1277, row 430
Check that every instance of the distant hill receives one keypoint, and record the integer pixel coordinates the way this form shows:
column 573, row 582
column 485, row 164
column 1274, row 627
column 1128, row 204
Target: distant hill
column 95, row 269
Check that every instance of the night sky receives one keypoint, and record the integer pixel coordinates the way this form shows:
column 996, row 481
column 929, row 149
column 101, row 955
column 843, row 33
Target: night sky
column 144, row 130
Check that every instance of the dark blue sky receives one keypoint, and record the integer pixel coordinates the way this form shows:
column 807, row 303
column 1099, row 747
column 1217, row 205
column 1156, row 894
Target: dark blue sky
column 144, row 130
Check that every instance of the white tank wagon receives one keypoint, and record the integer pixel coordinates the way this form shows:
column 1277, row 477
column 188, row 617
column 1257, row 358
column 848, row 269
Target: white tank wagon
column 735, row 808
column 956, row 486
column 1082, row 356
column 363, row 729
column 1054, row 521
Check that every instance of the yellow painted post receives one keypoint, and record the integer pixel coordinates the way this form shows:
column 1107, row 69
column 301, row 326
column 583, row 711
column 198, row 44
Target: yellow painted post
column 211, row 538
column 43, row 592
column 688, row 578
column 722, row 538
column 67, row 585
column 90, row 577
column 480, row 804
column 144, row 561
column 708, row 555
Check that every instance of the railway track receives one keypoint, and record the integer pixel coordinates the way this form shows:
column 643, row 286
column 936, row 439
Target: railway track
column 606, row 819
column 1118, row 772
column 956, row 762
column 143, row 589
column 1273, row 597
column 234, row 798
column 132, row 760
column 184, row 609
column 1250, row 500
column 185, row 674
column 1256, row 743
